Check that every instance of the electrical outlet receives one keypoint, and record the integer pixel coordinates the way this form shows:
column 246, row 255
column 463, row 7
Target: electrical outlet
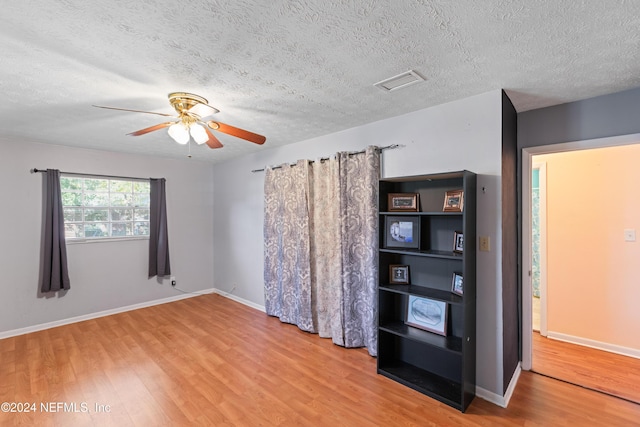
column 173, row 281
column 485, row 243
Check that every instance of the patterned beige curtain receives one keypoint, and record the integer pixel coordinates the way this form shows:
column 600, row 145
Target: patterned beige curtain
column 321, row 246
column 359, row 175
column 326, row 249
column 286, row 245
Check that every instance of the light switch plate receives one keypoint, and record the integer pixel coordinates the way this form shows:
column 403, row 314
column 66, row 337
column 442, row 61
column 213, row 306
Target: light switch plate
column 485, row 243
column 629, row 235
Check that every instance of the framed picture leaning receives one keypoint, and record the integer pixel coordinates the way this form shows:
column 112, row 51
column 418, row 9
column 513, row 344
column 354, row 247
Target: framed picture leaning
column 427, row 314
column 399, row 274
column 402, row 232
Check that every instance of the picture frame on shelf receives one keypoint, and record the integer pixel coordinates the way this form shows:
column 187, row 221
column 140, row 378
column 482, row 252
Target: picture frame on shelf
column 427, row 314
column 458, row 242
column 402, row 232
column 453, row 201
column 403, row 202
column 457, row 286
column 399, row 274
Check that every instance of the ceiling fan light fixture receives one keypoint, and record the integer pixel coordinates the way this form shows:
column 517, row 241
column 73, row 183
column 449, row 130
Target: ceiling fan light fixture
column 179, row 133
column 190, row 122
column 198, row 133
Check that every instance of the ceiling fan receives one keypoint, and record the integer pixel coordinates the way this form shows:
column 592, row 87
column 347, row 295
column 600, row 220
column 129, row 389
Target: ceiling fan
column 191, row 110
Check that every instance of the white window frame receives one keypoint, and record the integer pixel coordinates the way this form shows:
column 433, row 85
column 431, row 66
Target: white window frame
column 109, row 221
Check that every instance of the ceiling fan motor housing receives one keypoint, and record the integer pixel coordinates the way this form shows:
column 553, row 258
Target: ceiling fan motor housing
column 183, row 101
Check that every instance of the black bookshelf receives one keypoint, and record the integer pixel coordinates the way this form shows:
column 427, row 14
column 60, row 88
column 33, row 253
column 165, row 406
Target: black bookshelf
column 441, row 366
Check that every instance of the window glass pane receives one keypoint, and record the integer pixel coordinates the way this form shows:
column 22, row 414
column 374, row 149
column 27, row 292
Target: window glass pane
column 96, row 199
column 96, row 230
column 121, row 214
column 141, row 214
column 70, row 184
column 121, row 186
column 96, row 214
column 73, row 230
column 121, row 229
column 141, row 200
column 73, row 214
column 141, row 187
column 96, row 184
column 103, row 208
column 71, row 199
column 141, row 229
column 119, row 199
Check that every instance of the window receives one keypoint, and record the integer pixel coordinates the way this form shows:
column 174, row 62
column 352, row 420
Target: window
column 99, row 208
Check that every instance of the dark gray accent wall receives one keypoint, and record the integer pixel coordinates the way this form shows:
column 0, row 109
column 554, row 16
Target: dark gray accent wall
column 510, row 288
column 599, row 117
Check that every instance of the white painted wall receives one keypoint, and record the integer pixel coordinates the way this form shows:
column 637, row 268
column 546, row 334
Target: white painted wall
column 104, row 276
column 464, row 134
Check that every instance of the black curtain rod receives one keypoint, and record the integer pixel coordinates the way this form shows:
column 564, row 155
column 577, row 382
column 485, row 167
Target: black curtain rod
column 388, row 147
column 93, row 175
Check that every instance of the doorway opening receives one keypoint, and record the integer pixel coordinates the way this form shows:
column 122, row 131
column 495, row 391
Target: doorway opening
column 576, row 270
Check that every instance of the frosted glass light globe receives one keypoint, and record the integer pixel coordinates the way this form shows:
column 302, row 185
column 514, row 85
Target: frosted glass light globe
column 179, row 133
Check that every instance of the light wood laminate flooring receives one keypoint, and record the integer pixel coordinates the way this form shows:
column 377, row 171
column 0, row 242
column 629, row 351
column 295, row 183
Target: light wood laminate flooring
column 587, row 367
column 211, row 361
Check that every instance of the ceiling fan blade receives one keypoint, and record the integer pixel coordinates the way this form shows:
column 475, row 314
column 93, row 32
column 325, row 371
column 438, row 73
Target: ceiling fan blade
column 237, row 132
column 133, row 111
column 212, row 142
column 151, row 128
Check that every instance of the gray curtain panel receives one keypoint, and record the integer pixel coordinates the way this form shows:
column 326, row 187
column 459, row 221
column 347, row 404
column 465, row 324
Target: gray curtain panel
column 359, row 175
column 158, row 235
column 325, row 249
column 321, row 247
column 286, row 246
column 55, row 274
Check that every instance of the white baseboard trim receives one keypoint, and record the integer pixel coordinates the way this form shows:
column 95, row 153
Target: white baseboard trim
column 240, row 300
column 76, row 319
column 598, row 345
column 512, row 384
column 496, row 399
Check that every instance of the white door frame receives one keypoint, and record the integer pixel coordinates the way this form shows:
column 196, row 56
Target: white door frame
column 527, row 164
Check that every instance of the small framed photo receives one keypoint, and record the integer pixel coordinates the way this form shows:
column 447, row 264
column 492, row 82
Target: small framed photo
column 402, row 232
column 453, row 201
column 456, row 284
column 399, row 274
column 458, row 242
column 403, row 202
column 427, row 314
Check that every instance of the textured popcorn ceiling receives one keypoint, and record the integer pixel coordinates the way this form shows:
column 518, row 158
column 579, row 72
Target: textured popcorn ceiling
column 295, row 69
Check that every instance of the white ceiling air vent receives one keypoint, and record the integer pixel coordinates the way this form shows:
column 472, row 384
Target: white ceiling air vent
column 401, row 80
